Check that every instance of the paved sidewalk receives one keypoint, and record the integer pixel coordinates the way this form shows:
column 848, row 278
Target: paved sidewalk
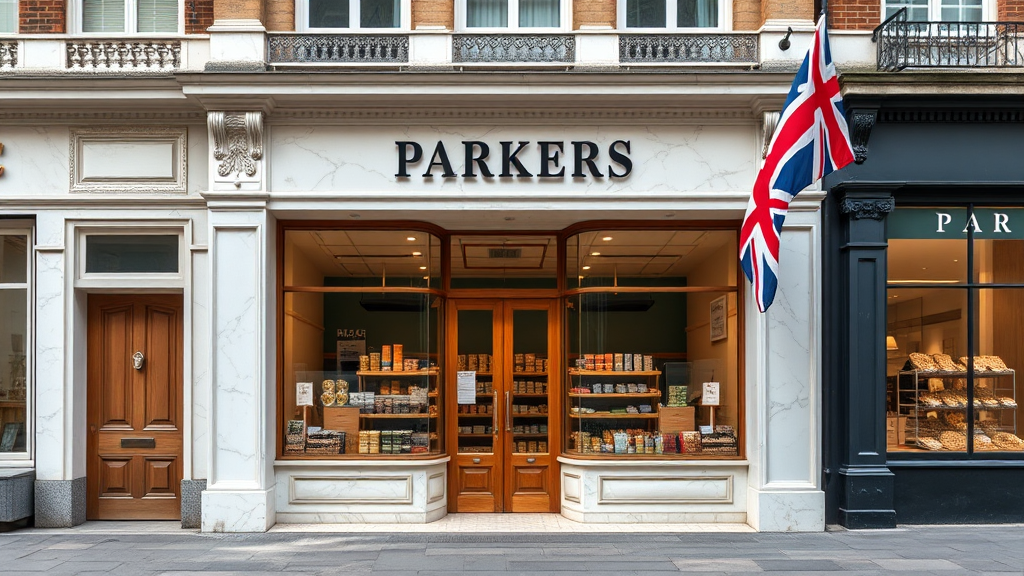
column 151, row 548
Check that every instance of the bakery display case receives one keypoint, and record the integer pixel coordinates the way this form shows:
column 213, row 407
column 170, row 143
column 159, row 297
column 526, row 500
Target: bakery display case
column 614, row 411
column 933, row 399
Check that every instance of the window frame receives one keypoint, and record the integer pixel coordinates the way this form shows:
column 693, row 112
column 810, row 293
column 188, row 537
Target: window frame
column 131, row 19
column 988, row 11
column 564, row 17
column 972, row 288
column 85, row 279
column 671, row 13
column 26, row 229
column 302, row 20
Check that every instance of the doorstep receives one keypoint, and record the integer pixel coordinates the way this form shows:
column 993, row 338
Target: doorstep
column 512, row 523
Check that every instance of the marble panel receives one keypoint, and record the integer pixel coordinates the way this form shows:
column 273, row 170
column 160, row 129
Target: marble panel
column 191, row 503
column 36, row 160
column 787, row 511
column 350, row 490
column 664, row 490
column 365, row 159
column 16, row 494
column 50, row 329
column 198, row 158
column 436, row 486
column 236, row 412
column 201, row 358
column 238, row 511
column 571, row 487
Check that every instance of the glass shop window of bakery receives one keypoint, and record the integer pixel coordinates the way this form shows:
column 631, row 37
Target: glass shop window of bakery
column 653, row 344
column 955, row 330
column 361, row 343
column 14, row 339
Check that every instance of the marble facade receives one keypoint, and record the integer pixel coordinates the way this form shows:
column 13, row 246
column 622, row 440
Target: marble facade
column 686, row 166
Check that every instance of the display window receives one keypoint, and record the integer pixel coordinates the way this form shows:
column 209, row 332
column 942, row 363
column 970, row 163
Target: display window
column 15, row 272
column 505, row 350
column 652, row 344
column 360, row 346
column 954, row 330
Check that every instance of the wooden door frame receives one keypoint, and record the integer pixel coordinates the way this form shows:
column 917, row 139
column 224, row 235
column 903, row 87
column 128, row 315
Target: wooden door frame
column 92, row 440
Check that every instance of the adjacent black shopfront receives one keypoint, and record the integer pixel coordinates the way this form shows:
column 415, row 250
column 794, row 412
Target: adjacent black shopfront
column 923, row 293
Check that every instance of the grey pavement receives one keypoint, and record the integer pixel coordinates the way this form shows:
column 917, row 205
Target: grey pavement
column 907, row 551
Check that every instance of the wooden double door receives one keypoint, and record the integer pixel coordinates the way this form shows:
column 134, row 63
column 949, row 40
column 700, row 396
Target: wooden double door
column 503, row 405
column 135, row 406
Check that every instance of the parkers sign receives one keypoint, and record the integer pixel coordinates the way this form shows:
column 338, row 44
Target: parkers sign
column 475, row 159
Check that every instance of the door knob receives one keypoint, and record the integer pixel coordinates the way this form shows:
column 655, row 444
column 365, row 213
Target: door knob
column 476, row 460
column 531, row 460
column 137, row 360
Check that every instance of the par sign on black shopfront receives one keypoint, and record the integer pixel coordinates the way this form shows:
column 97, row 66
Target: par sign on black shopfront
column 945, row 223
column 514, row 159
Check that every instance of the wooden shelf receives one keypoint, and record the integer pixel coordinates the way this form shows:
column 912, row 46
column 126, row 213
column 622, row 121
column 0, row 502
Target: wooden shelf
column 475, row 435
column 400, row 373
column 530, row 374
column 528, row 415
column 12, row 403
column 530, row 435
column 652, row 394
column 529, row 395
column 608, row 416
column 578, row 372
column 463, row 414
column 390, row 416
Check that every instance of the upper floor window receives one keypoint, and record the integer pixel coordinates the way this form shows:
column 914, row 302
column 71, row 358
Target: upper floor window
column 670, row 14
column 130, row 16
column 939, row 10
column 513, row 14
column 355, row 14
column 8, row 16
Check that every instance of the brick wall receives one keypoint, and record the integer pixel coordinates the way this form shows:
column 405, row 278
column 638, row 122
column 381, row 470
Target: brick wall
column 1010, row 10
column 858, row 14
column 42, row 17
column 198, row 16
column 790, row 9
column 593, row 13
column 280, row 15
column 431, row 13
column 746, row 15
column 238, row 10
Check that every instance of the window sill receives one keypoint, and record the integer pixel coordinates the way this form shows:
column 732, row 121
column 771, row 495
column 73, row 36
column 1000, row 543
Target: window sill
column 363, row 460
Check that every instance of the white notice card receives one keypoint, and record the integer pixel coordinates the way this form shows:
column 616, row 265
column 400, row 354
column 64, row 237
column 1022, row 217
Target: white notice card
column 467, row 386
column 303, row 393
column 710, row 396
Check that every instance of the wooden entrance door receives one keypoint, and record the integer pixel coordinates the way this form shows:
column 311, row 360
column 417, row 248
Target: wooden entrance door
column 503, row 441
column 134, row 467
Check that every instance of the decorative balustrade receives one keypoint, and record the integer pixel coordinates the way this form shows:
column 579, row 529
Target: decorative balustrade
column 513, row 48
column 124, row 55
column 904, row 44
column 688, row 49
column 337, row 49
column 8, row 55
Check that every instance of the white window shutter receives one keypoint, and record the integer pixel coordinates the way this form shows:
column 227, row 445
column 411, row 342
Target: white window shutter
column 103, row 16
column 158, row 16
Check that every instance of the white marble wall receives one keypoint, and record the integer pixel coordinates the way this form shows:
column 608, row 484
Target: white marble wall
column 784, row 387
column 240, row 491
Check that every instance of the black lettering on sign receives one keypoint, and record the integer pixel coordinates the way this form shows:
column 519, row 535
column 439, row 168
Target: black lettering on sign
column 588, row 159
column 404, row 159
column 620, row 159
column 480, row 160
column 440, row 158
column 549, row 158
column 509, row 158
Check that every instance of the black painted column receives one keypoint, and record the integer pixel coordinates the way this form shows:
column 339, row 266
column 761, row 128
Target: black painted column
column 865, row 482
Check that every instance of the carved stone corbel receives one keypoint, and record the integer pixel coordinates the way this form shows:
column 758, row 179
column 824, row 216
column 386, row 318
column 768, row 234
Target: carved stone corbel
column 771, row 121
column 866, row 208
column 237, row 146
column 862, row 120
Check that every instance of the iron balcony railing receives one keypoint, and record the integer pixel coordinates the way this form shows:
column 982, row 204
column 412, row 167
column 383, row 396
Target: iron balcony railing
column 905, row 44
column 337, row 49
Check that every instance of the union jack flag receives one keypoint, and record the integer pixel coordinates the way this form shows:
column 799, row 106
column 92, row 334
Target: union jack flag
column 810, row 141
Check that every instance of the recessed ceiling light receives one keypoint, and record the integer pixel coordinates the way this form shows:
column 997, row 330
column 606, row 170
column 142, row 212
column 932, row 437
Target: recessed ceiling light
column 955, row 260
column 586, row 267
column 417, row 253
column 595, row 253
column 607, row 238
column 423, row 267
column 426, row 277
column 411, row 238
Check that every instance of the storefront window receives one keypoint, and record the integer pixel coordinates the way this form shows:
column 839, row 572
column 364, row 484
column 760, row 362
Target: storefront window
column 652, row 344
column 955, row 336
column 361, row 344
column 14, row 340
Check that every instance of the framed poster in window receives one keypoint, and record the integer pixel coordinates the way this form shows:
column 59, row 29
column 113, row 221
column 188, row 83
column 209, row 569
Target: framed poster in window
column 719, row 308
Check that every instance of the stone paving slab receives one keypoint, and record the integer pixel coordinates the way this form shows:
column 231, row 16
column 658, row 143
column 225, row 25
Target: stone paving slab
column 157, row 551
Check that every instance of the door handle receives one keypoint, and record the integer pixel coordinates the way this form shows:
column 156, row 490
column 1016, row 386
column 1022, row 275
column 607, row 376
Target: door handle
column 137, row 360
column 531, row 460
column 508, row 417
column 476, row 460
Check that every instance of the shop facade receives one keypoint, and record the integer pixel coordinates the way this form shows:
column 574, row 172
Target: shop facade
column 921, row 287
column 213, row 291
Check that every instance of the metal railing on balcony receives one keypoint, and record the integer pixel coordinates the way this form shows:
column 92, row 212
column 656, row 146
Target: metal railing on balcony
column 8, row 55
column 905, row 44
column 337, row 49
column 688, row 49
column 513, row 48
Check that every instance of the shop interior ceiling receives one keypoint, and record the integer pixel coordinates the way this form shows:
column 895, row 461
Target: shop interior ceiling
column 636, row 253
